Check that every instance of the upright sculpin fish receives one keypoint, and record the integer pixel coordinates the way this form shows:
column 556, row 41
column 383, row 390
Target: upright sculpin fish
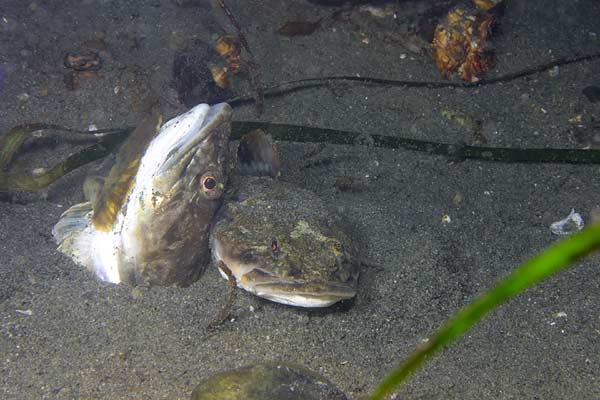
column 148, row 223
column 280, row 241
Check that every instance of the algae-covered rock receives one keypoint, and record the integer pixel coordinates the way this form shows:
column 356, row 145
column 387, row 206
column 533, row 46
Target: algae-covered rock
column 272, row 381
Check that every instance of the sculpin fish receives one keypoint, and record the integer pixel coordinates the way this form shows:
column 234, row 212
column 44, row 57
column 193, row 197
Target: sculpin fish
column 281, row 242
column 149, row 221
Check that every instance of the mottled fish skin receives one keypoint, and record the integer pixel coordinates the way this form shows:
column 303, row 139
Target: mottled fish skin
column 155, row 232
column 282, row 243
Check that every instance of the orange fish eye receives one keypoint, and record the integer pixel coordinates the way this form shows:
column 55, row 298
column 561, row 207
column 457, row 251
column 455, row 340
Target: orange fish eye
column 209, row 183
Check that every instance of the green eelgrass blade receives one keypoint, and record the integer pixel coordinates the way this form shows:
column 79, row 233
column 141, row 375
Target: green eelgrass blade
column 549, row 262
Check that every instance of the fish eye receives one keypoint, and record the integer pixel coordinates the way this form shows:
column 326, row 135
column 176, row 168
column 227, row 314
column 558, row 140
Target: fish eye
column 210, row 186
column 274, row 246
column 209, row 182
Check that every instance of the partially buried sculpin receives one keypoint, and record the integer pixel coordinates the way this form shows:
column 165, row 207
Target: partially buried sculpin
column 148, row 223
column 280, row 241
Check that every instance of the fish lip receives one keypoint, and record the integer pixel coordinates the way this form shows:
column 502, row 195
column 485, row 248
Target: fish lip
column 302, row 299
column 197, row 134
column 328, row 290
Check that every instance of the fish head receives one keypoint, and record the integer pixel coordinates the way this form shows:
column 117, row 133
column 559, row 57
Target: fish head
column 187, row 157
column 178, row 188
column 278, row 251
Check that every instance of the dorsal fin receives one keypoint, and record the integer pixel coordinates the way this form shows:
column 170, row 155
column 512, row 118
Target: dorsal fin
column 121, row 177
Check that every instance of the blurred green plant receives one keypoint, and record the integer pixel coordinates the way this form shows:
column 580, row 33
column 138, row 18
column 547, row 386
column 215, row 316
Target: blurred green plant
column 549, row 262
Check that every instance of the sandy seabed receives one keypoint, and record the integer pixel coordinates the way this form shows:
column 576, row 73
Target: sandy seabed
column 63, row 334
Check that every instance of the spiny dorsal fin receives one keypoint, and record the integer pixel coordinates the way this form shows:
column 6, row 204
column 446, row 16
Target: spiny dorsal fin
column 120, row 179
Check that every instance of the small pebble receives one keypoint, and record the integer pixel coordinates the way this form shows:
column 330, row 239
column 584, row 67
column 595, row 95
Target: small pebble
column 457, row 199
column 23, row 97
column 569, row 225
column 560, row 314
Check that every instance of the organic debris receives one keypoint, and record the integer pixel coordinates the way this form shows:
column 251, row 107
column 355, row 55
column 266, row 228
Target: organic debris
column 255, row 72
column 461, row 43
column 229, row 49
column 474, row 126
column 83, row 65
column 83, row 61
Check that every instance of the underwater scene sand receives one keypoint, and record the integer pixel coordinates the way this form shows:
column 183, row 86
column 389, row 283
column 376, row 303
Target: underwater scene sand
column 434, row 232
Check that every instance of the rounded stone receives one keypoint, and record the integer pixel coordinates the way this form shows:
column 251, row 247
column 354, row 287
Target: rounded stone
column 272, row 380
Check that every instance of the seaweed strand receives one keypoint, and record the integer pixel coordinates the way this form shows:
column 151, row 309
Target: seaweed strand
column 284, row 88
column 461, row 151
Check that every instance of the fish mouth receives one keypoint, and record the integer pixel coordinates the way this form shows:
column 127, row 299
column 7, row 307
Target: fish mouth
column 297, row 293
column 196, row 126
column 304, row 294
column 174, row 148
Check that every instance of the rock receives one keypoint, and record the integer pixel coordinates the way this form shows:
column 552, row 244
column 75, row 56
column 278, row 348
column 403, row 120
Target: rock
column 272, row 380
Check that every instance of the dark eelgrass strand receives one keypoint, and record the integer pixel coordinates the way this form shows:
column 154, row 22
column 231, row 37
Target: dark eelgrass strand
column 551, row 261
column 289, row 87
column 109, row 139
column 10, row 144
column 458, row 151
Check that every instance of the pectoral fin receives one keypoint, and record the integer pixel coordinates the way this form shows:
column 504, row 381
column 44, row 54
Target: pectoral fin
column 73, row 234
